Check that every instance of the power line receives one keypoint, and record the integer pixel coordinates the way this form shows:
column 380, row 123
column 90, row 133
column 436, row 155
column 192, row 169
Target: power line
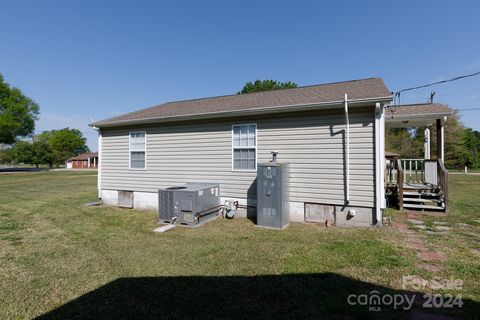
column 397, row 94
column 439, row 82
column 470, row 109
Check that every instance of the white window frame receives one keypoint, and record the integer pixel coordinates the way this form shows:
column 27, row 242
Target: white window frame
column 130, row 151
column 233, row 147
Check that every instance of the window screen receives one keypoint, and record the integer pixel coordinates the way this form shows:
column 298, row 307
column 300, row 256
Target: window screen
column 244, row 147
column 137, row 150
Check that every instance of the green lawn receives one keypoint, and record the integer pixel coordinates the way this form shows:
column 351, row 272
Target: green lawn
column 62, row 260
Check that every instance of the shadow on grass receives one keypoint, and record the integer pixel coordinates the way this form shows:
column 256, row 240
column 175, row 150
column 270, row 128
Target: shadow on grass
column 296, row 296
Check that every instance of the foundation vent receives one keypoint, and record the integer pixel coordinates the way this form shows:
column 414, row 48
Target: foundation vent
column 125, row 199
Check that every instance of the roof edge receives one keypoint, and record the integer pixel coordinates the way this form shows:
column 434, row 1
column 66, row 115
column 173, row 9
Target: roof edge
column 243, row 112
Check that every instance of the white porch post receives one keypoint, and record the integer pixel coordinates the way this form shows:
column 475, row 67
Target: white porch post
column 426, row 145
column 441, row 139
column 380, row 202
column 99, row 164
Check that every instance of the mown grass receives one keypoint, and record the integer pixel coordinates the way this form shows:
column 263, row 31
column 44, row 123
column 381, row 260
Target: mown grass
column 53, row 250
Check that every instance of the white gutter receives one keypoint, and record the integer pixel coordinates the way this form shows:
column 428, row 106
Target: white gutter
column 242, row 112
column 347, row 150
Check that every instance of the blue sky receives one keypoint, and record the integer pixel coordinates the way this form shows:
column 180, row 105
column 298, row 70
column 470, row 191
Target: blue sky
column 83, row 60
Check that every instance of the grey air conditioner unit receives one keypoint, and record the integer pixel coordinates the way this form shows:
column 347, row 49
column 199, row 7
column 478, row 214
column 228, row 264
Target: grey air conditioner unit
column 192, row 203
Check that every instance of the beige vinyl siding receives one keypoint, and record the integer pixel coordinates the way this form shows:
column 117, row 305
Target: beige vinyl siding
column 313, row 144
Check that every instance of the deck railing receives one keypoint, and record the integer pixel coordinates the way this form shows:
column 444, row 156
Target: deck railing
column 442, row 174
column 400, row 175
column 421, row 171
column 413, row 170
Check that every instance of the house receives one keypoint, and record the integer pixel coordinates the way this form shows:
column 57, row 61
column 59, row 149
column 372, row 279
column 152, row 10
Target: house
column 331, row 134
column 88, row 160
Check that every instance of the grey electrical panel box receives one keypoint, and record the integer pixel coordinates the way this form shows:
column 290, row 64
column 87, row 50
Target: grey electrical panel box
column 191, row 203
column 272, row 191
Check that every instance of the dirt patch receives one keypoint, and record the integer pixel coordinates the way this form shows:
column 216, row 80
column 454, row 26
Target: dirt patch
column 419, row 246
column 431, row 261
column 431, row 256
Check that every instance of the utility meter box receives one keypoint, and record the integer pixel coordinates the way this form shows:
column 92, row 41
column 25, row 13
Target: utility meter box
column 272, row 195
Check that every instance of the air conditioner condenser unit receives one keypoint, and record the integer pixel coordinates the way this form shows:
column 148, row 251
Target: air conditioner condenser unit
column 192, row 204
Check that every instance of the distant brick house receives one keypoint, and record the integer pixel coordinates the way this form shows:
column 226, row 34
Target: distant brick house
column 83, row 161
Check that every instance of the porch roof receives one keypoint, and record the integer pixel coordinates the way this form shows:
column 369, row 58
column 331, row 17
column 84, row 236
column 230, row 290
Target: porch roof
column 416, row 115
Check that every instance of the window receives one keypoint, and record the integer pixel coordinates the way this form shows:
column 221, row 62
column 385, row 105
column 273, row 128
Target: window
column 244, row 144
column 137, row 150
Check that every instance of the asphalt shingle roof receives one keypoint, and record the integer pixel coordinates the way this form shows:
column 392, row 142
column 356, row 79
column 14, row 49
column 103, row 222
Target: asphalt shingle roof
column 370, row 88
column 418, row 109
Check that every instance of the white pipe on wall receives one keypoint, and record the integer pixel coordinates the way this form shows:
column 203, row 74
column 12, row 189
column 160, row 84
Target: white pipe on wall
column 347, row 150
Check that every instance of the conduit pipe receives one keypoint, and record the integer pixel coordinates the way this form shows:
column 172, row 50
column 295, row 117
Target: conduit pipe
column 347, row 151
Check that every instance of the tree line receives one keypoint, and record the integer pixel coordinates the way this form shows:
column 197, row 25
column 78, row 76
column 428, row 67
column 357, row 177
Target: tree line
column 18, row 114
column 50, row 148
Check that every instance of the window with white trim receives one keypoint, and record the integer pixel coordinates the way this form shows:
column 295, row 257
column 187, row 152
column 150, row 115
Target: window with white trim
column 244, row 145
column 137, row 150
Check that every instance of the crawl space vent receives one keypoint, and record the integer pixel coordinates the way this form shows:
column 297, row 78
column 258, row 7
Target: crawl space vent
column 125, row 199
column 319, row 213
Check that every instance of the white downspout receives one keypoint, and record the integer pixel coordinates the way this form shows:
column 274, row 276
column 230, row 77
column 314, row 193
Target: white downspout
column 347, row 151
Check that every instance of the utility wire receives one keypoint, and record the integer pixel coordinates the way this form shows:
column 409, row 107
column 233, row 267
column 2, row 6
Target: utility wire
column 397, row 93
column 470, row 109
column 439, row 82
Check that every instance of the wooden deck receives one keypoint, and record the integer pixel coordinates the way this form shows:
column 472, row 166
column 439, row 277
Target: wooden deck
column 418, row 184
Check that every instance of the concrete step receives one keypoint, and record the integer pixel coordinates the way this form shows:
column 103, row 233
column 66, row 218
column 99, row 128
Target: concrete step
column 422, row 207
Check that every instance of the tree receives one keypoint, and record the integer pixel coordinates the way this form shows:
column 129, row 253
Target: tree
column 472, row 145
column 64, row 143
column 42, row 153
column 17, row 113
column 37, row 153
column 405, row 141
column 22, row 152
column 6, row 156
column 266, row 85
